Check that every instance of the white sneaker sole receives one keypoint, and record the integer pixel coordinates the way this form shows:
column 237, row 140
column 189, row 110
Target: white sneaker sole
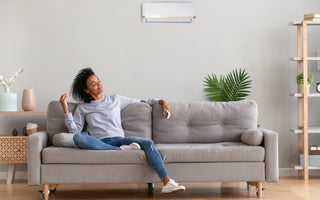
column 132, row 146
column 174, row 191
column 136, row 145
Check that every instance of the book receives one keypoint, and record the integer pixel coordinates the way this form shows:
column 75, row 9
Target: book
column 311, row 16
column 315, row 150
column 314, row 160
column 312, row 19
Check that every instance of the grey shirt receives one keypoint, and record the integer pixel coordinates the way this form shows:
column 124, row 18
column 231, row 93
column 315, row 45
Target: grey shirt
column 103, row 116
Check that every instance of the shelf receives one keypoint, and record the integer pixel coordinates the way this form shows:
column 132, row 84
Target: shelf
column 299, row 167
column 301, row 95
column 299, row 22
column 23, row 112
column 301, row 58
column 311, row 129
column 302, row 101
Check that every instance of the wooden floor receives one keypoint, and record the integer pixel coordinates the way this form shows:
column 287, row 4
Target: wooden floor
column 286, row 189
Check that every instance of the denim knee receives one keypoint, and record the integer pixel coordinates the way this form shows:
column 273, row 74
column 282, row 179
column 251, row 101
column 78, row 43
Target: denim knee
column 147, row 144
column 78, row 139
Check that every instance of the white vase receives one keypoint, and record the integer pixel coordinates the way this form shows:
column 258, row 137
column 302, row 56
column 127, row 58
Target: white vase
column 8, row 101
column 28, row 100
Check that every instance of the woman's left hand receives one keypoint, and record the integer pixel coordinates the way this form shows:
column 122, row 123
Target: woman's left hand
column 165, row 106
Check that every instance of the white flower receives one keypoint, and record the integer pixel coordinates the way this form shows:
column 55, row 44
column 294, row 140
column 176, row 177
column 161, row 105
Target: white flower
column 8, row 83
column 11, row 80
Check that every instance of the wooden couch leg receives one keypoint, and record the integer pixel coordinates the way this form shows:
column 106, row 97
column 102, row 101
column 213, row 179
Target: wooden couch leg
column 46, row 191
column 259, row 189
column 258, row 185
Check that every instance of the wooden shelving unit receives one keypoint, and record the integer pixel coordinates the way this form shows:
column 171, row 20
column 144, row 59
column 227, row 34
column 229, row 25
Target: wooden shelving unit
column 303, row 129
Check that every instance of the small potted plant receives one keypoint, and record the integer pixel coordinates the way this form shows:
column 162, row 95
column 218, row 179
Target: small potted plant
column 299, row 81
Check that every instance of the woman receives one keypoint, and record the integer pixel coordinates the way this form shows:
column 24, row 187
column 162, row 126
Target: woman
column 103, row 117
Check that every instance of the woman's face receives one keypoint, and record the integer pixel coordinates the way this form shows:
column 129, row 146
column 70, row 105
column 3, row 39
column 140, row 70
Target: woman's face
column 94, row 86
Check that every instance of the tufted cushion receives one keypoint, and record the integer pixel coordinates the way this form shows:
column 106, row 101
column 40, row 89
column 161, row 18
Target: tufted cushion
column 252, row 137
column 204, row 122
column 136, row 120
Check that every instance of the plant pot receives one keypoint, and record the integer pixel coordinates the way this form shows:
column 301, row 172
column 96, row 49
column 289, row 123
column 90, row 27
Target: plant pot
column 300, row 88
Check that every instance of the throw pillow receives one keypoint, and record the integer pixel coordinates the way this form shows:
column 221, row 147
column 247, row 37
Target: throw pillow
column 252, row 137
column 64, row 140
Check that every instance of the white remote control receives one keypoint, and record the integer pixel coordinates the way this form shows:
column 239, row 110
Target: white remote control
column 168, row 114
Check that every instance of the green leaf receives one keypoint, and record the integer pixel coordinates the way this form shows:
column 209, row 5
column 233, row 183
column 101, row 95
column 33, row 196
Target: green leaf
column 233, row 87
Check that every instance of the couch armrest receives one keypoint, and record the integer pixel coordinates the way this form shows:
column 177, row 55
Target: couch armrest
column 36, row 142
column 270, row 143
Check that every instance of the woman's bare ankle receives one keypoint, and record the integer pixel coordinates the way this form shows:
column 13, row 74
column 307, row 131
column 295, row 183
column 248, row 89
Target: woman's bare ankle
column 165, row 180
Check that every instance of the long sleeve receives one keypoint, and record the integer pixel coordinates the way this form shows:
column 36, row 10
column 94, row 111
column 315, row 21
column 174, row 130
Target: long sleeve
column 124, row 101
column 75, row 123
column 150, row 101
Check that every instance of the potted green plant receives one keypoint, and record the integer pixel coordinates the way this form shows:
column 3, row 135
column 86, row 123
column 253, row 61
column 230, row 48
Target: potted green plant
column 299, row 81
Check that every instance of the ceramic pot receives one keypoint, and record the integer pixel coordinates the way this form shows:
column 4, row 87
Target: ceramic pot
column 300, row 88
column 28, row 100
column 15, row 132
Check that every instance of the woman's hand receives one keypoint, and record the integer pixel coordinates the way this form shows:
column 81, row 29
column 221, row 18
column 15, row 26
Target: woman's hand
column 63, row 102
column 165, row 106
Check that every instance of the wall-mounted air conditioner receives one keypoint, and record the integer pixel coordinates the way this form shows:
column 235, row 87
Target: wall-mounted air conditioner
column 168, row 12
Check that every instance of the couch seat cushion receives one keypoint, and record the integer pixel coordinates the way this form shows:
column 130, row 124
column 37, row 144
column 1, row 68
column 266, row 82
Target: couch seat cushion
column 214, row 152
column 78, row 156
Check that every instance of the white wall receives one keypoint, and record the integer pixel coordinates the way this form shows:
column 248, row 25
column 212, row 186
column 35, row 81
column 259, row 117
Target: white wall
column 53, row 40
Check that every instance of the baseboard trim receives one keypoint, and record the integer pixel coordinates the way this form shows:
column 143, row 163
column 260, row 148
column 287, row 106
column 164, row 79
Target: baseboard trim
column 293, row 172
column 288, row 172
column 282, row 172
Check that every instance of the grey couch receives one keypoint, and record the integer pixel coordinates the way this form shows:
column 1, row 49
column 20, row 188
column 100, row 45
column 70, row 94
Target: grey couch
column 201, row 142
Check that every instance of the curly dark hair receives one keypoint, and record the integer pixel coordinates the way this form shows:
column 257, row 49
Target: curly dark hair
column 80, row 84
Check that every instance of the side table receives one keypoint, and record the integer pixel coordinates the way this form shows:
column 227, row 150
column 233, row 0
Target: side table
column 13, row 150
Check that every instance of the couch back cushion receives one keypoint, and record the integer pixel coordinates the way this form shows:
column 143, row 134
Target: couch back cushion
column 204, row 122
column 136, row 119
column 55, row 118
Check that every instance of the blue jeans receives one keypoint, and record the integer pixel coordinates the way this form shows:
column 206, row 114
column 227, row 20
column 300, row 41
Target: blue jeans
column 85, row 141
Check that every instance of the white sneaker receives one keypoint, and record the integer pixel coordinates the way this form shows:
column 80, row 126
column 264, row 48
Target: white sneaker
column 172, row 187
column 132, row 146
